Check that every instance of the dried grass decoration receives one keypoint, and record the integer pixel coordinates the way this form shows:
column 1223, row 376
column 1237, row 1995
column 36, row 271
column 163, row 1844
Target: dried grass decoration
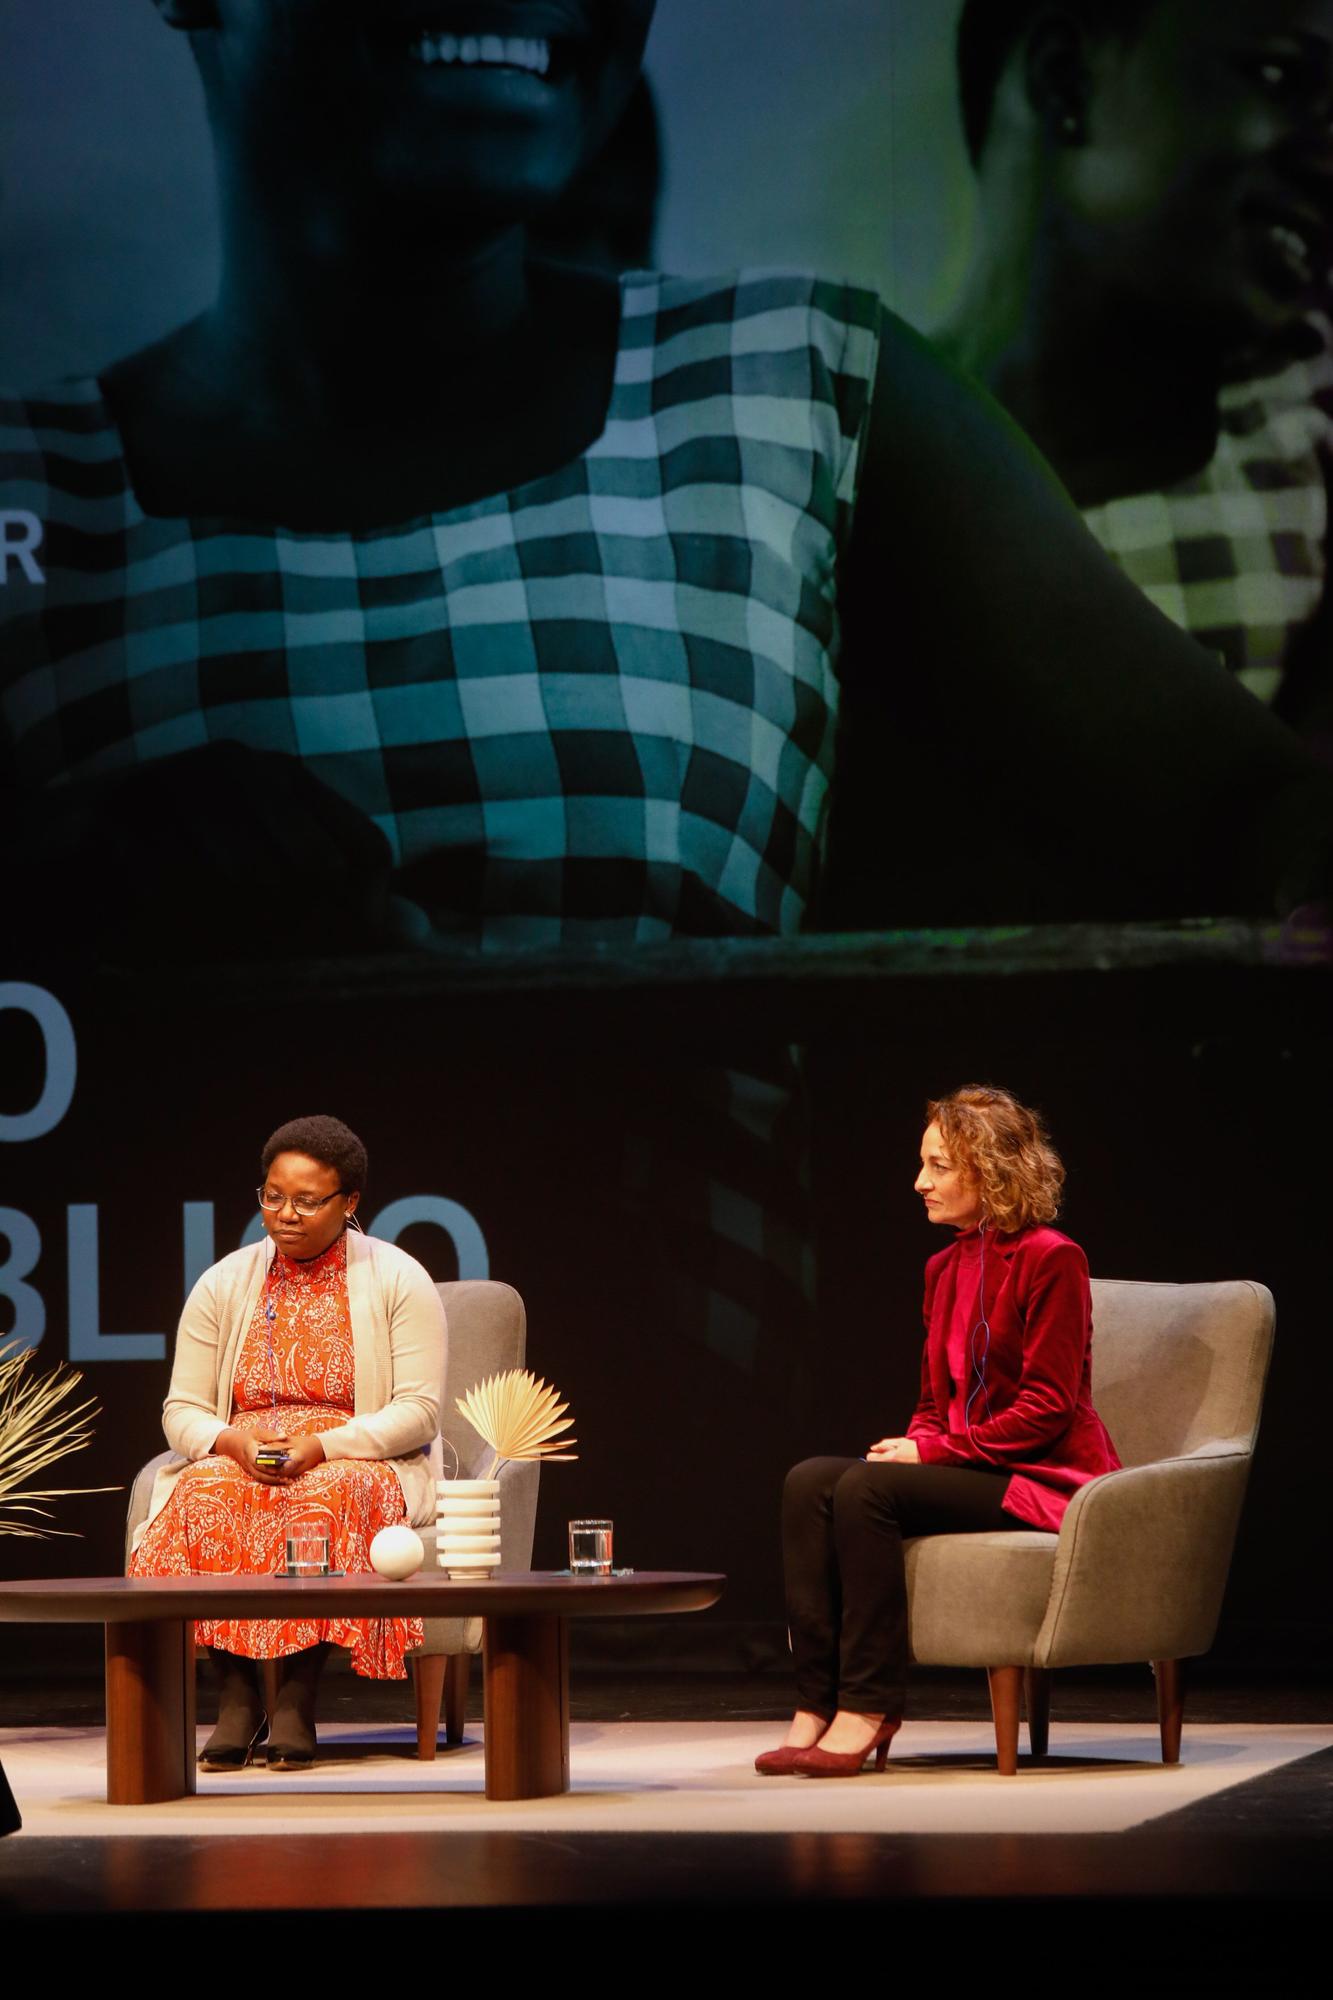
column 519, row 1418
column 36, row 1429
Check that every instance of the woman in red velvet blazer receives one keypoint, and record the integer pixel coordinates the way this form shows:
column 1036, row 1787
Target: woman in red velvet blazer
column 1003, row 1434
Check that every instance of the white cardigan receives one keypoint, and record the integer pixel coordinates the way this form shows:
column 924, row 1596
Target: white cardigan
column 399, row 1340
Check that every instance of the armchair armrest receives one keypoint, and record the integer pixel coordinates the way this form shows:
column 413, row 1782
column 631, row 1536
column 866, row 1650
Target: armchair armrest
column 518, row 1512
column 518, row 1506
column 141, row 1495
column 1142, row 1558
column 518, row 1515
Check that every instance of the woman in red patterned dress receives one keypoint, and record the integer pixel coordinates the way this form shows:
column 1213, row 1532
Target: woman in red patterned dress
column 328, row 1347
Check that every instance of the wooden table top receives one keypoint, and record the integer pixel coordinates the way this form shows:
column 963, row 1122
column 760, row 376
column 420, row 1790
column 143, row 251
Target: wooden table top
column 112, row 1600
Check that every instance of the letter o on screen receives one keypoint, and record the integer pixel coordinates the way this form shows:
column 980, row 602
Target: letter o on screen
column 57, row 1032
column 456, row 1221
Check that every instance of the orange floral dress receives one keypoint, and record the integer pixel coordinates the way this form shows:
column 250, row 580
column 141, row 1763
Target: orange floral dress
column 221, row 1522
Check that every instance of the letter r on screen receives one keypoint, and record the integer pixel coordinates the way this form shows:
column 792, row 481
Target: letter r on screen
column 20, row 536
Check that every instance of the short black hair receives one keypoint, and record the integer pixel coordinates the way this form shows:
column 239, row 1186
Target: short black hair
column 990, row 30
column 327, row 1140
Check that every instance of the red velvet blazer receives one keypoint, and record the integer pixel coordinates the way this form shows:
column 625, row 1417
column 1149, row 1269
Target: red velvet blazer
column 1040, row 1423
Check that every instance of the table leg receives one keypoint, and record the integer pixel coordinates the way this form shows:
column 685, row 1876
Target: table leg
column 149, row 1711
column 527, row 1706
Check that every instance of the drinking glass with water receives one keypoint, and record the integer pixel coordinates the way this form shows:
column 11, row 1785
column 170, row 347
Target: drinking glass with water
column 590, row 1544
column 308, row 1551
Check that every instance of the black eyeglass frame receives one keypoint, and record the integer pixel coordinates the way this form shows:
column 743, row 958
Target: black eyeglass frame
column 297, row 1201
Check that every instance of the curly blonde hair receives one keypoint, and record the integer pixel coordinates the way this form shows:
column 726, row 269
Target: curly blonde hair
column 1003, row 1148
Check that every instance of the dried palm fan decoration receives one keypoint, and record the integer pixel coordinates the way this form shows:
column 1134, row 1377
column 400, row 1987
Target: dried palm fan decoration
column 36, row 1429
column 518, row 1417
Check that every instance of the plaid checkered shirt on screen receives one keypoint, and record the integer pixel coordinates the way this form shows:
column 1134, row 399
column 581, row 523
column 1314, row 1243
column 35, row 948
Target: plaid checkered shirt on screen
column 1237, row 554
column 600, row 707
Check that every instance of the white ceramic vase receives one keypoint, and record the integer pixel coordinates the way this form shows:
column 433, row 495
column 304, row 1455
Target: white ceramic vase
column 467, row 1526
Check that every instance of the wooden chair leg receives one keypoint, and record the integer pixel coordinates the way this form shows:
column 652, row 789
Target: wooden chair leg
column 1006, row 1688
column 455, row 1696
column 1037, row 1701
column 1170, row 1677
column 428, row 1671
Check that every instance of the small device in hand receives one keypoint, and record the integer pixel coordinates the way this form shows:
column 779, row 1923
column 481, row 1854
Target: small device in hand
column 271, row 1457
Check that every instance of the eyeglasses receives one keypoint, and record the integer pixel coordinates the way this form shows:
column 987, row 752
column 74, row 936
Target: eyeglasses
column 304, row 1204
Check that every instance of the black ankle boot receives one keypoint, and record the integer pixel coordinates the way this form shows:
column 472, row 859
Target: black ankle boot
column 291, row 1743
column 241, row 1720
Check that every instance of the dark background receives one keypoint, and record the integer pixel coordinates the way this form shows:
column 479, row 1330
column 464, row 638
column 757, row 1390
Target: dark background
column 1190, row 1100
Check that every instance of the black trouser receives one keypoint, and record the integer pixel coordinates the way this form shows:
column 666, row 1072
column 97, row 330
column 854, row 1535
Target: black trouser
column 843, row 1523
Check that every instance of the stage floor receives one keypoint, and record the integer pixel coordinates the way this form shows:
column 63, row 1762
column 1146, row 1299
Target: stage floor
column 1217, row 1867
column 668, row 1777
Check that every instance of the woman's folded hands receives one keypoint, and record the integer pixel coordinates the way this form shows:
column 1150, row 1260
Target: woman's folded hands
column 902, row 1450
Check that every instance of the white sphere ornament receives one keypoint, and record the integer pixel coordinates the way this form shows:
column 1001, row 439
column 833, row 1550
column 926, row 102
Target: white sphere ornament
column 397, row 1553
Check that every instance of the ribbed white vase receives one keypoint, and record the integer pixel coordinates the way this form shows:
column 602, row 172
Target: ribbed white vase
column 467, row 1526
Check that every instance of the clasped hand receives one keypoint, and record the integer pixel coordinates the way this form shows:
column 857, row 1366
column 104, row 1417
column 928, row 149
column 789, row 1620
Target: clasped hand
column 902, row 1451
column 303, row 1453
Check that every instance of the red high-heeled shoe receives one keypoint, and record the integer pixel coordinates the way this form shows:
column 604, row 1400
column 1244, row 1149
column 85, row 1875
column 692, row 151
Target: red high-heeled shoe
column 779, row 1763
column 821, row 1763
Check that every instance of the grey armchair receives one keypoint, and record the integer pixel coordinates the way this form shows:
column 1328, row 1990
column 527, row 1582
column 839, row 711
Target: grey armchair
column 487, row 1334
column 1139, row 1566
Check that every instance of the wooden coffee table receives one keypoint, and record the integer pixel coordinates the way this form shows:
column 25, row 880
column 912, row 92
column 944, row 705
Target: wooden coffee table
column 150, row 1732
